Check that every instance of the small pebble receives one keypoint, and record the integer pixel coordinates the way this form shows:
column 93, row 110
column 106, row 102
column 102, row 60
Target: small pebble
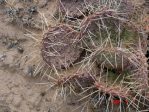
column 20, row 49
column 2, row 2
column 30, row 70
column 2, row 57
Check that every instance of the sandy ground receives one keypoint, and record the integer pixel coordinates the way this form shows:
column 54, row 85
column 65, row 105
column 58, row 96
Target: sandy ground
column 20, row 59
column 19, row 91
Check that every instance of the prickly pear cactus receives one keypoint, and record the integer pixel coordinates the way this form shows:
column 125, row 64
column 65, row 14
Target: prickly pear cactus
column 60, row 47
column 105, row 40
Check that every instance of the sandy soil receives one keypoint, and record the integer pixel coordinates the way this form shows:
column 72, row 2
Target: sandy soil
column 19, row 91
column 20, row 61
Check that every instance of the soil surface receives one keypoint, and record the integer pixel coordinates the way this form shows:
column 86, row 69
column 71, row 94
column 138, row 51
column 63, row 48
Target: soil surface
column 19, row 51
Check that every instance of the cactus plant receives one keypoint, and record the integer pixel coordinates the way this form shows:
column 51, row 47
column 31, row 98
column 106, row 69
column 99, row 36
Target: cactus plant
column 115, row 45
column 60, row 46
